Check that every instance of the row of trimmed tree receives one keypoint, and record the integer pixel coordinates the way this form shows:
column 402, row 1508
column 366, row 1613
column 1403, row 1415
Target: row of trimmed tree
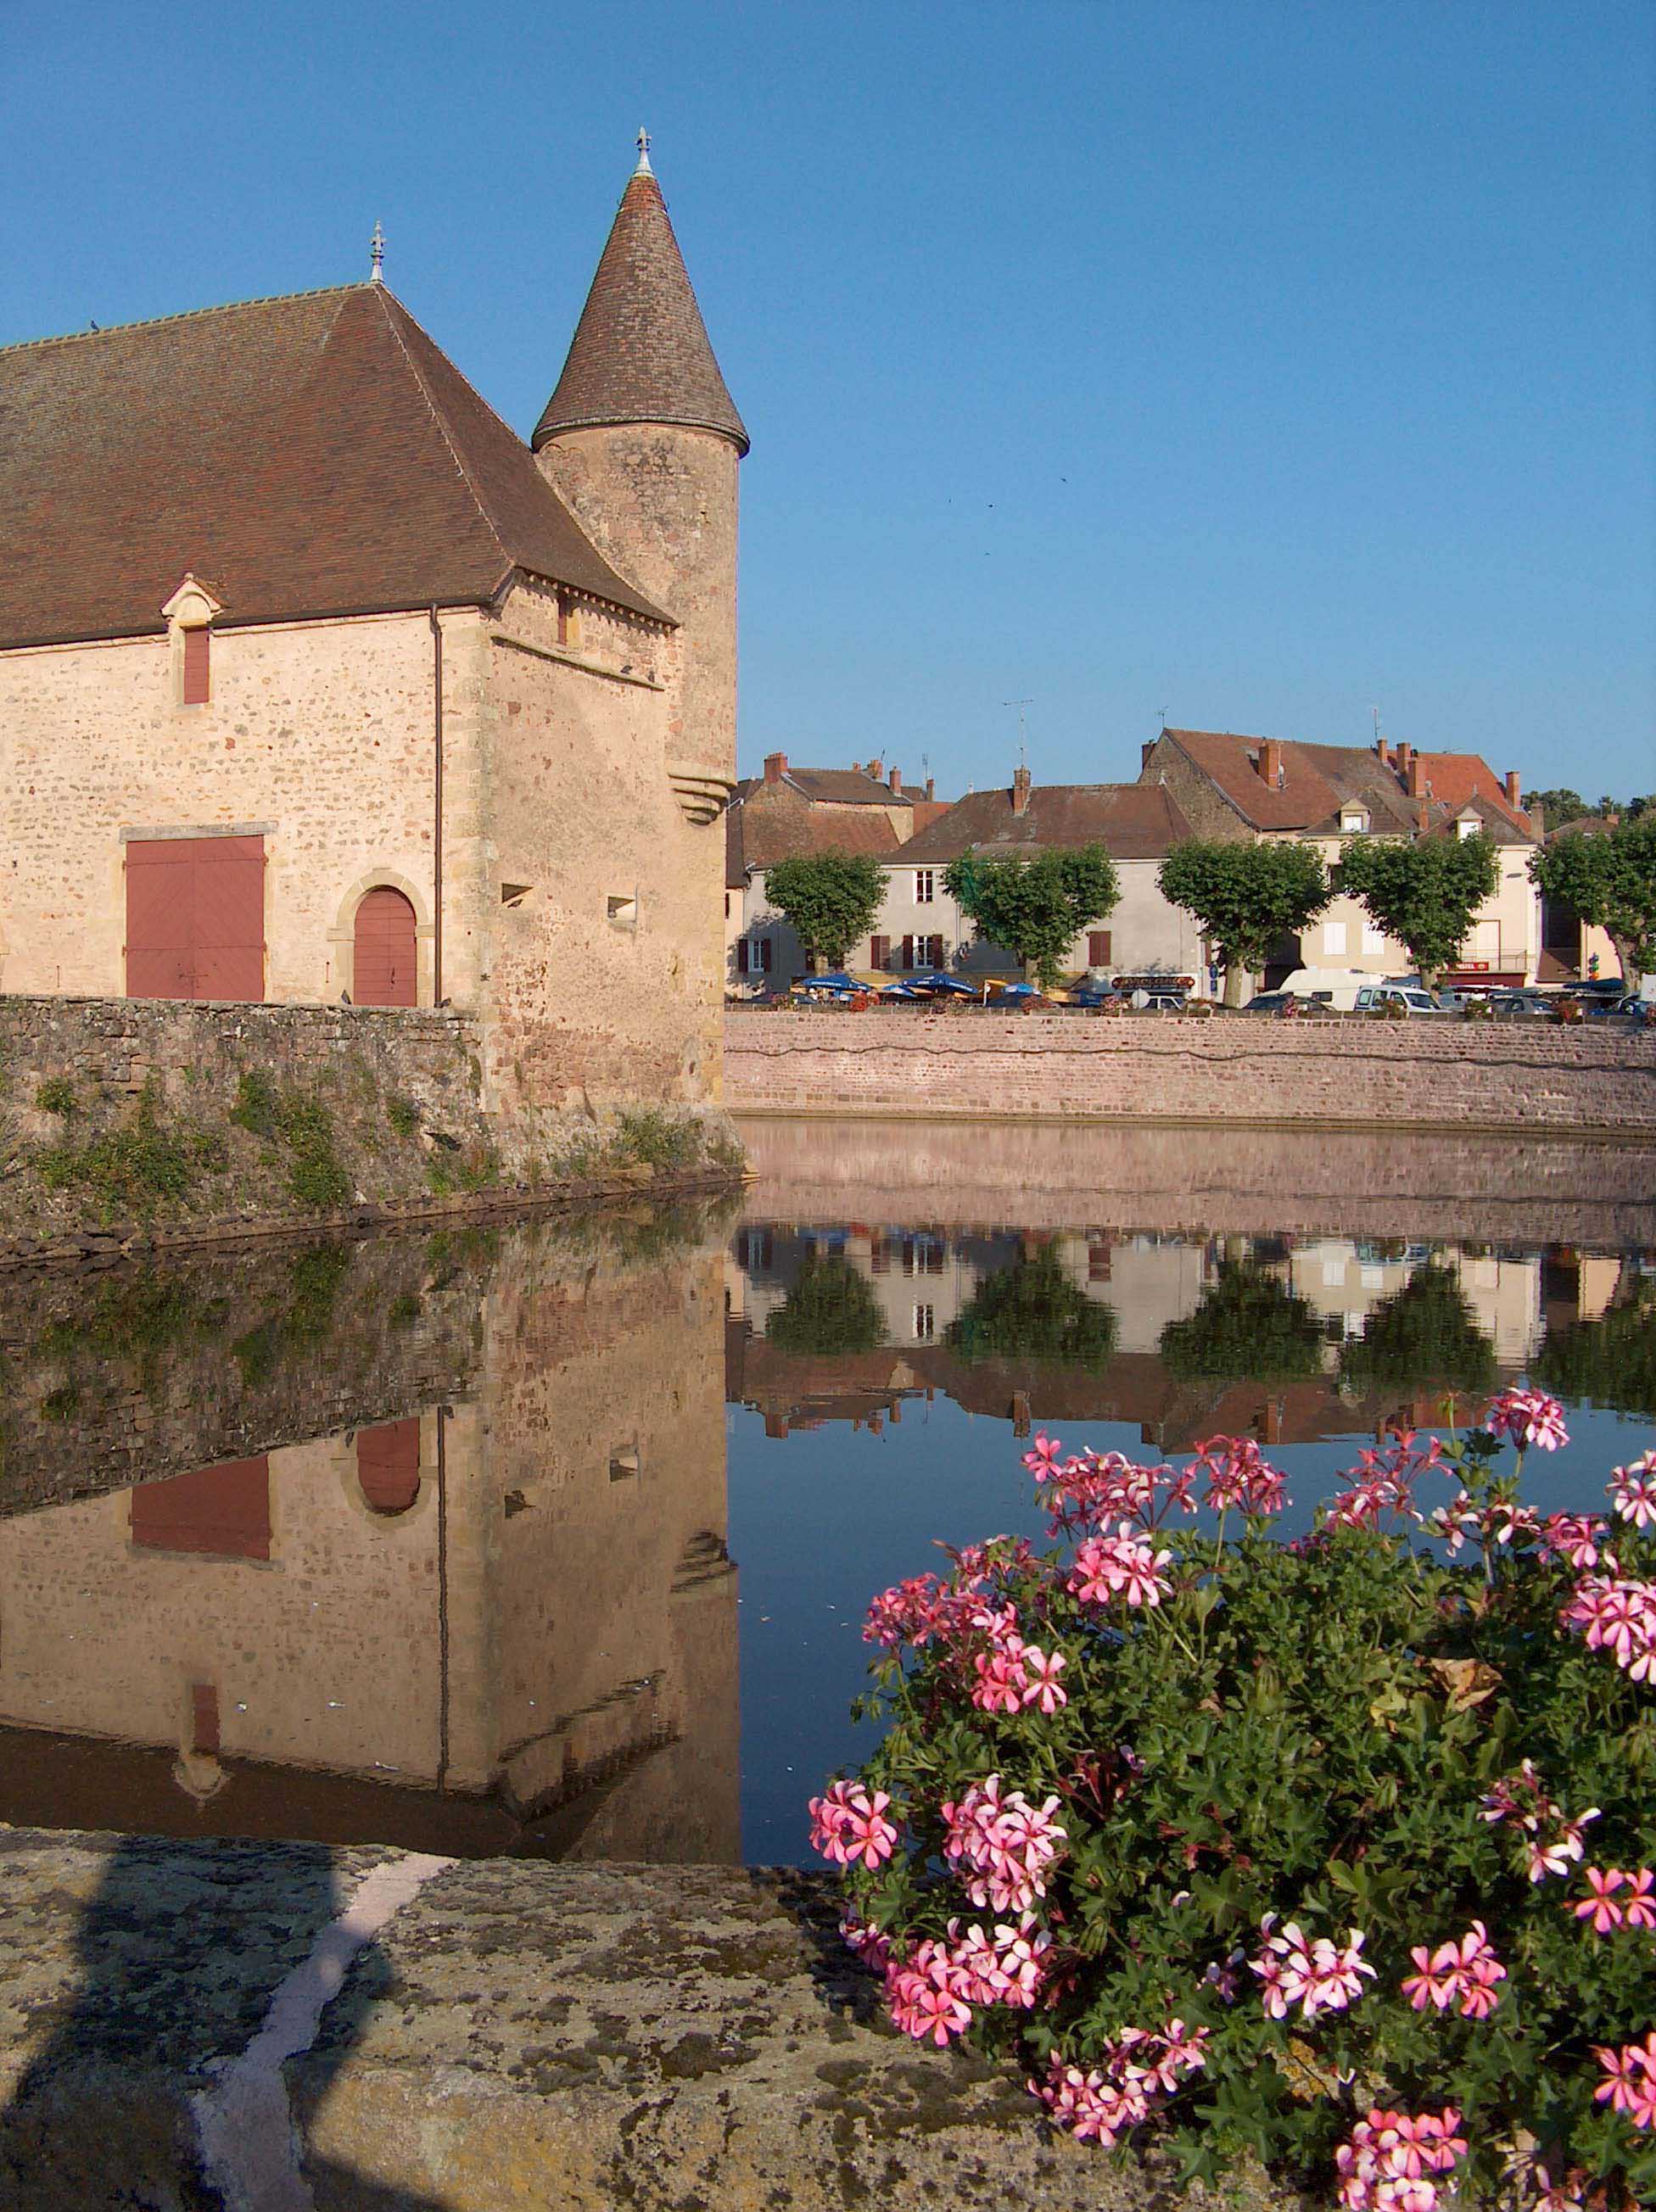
column 1245, row 899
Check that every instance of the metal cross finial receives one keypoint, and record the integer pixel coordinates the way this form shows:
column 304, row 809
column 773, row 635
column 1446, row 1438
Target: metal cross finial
column 376, row 256
column 643, row 143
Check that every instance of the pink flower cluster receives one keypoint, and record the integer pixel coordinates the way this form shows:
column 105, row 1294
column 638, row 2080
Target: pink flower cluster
column 1630, row 2083
column 1090, row 1490
column 1385, row 1483
column 1011, row 1674
column 1616, row 1614
column 1004, row 1845
column 1575, row 1538
column 1140, row 2068
column 1528, row 1418
column 1463, row 1974
column 1552, row 1841
column 930, row 1996
column 1606, row 1909
column 1633, row 1491
column 1320, row 1976
column 1394, row 2160
column 1122, row 1565
column 1238, row 1474
column 848, row 1824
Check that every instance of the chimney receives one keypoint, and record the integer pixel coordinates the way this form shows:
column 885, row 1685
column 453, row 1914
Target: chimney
column 895, row 779
column 876, row 769
column 1270, row 761
column 1020, row 790
column 1514, row 789
column 931, row 787
column 775, row 767
column 1144, row 753
column 1418, row 788
column 1400, row 758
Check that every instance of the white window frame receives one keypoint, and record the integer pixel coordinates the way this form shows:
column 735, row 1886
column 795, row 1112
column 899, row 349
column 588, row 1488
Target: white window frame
column 925, row 887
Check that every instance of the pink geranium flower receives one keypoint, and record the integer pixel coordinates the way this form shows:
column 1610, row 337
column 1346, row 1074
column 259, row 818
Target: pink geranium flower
column 1601, row 1909
column 1529, row 1418
column 927, row 1998
column 1003, row 1845
column 1394, row 2158
column 1630, row 2083
column 1633, row 1491
column 1043, row 1669
column 1122, row 1566
column 1317, row 1975
column 847, row 1823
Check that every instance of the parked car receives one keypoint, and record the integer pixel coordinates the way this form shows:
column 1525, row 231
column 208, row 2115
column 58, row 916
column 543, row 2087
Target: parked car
column 1525, row 1004
column 1281, row 1002
column 1160, row 1002
column 1377, row 997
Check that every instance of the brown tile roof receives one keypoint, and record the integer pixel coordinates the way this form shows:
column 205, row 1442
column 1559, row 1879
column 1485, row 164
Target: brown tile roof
column 769, row 828
column 1132, row 821
column 312, row 455
column 1317, row 780
column 640, row 352
column 1456, row 778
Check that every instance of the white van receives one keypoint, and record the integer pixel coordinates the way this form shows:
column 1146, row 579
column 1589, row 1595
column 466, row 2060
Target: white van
column 1409, row 996
column 1329, row 987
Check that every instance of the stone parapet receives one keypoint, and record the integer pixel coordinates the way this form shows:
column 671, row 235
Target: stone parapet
column 1586, row 1082
column 174, row 2030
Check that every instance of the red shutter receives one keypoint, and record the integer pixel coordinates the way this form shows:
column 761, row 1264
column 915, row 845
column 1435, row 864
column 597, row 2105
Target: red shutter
column 197, row 679
column 204, row 1718
column 383, row 971
column 908, row 953
column 194, row 918
column 933, row 952
column 879, row 952
column 388, row 1465
column 741, row 955
column 1098, row 948
column 223, row 1510
column 765, row 956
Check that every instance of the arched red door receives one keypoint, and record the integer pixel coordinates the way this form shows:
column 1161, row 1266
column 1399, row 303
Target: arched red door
column 383, row 971
column 388, row 1466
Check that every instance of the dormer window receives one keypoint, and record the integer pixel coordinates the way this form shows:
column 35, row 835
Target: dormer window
column 188, row 616
column 1467, row 825
column 1353, row 821
column 569, row 620
column 197, row 667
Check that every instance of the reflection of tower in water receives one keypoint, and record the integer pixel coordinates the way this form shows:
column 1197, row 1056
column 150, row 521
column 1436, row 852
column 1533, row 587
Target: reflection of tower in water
column 506, row 1622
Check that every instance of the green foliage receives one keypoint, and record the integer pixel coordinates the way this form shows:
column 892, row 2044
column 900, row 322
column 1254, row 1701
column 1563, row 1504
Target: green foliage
column 130, row 1170
column 646, row 1137
column 404, row 1117
column 1034, row 1311
column 1608, row 877
column 1562, row 805
column 1245, row 898
column 1611, row 1360
column 306, row 1321
column 1036, row 908
column 1287, row 1739
column 255, row 1108
column 830, row 899
column 1423, row 894
column 1246, row 1329
column 300, row 1122
column 829, row 1308
column 1424, row 1334
column 57, row 1095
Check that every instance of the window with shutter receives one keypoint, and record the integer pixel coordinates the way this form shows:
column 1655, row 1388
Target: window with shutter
column 934, row 952
column 198, row 685
column 879, row 952
column 1098, row 948
column 742, row 949
column 908, row 953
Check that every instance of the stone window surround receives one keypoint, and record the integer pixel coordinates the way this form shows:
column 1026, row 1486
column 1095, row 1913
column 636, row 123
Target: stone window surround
column 342, row 938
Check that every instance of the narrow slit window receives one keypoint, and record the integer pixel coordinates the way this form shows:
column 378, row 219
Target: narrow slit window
column 198, row 673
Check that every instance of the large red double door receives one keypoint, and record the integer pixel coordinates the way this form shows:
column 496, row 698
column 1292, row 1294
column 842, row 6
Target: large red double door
column 194, row 918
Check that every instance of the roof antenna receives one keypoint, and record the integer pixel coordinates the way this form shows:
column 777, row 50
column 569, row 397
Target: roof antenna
column 642, row 144
column 1021, row 705
column 376, row 253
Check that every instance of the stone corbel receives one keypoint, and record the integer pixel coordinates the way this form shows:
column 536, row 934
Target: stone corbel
column 703, row 793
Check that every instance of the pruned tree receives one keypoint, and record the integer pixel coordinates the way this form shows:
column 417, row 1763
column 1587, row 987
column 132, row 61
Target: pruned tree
column 1245, row 898
column 1033, row 1310
column 1035, row 908
column 1247, row 1328
column 1424, row 1334
column 830, row 1309
column 1423, row 894
column 830, row 899
column 1609, row 877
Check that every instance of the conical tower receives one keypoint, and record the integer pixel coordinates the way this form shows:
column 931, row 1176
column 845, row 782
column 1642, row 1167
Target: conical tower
column 642, row 439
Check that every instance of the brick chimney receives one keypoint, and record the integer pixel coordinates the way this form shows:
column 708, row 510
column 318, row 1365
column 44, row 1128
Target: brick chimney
column 931, row 787
column 1020, row 791
column 1400, row 758
column 1270, row 761
column 895, row 779
column 775, row 767
column 1514, row 789
column 1144, row 753
column 1418, row 788
column 877, row 771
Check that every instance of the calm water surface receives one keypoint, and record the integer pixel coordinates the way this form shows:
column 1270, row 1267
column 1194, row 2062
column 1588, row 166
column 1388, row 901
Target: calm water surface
column 556, row 1540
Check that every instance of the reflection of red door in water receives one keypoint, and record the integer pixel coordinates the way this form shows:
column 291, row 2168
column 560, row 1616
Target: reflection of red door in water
column 225, row 1511
column 388, row 1465
column 383, row 969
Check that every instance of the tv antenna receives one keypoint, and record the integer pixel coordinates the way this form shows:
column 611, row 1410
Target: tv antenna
column 1022, row 705
column 1376, row 713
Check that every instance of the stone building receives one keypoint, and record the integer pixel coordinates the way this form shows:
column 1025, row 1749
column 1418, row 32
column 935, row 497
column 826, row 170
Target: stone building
column 1244, row 789
column 317, row 682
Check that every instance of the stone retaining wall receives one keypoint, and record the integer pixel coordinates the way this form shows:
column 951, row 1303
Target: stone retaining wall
column 1532, row 1078
column 200, row 2024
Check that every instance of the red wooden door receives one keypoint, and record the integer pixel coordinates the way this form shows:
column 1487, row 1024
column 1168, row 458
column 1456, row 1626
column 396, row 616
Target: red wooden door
column 388, row 1465
column 383, row 973
column 223, row 1510
column 194, row 918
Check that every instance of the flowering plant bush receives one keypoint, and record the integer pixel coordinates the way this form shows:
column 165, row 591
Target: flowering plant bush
column 1336, row 1854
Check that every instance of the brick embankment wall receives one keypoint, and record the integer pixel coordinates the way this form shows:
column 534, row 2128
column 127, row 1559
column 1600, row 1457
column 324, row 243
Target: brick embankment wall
column 509, row 2036
column 1209, row 1182
column 1226, row 1069
column 395, row 1095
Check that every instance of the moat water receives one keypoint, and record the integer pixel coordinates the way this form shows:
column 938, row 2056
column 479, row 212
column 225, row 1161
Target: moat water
column 556, row 1540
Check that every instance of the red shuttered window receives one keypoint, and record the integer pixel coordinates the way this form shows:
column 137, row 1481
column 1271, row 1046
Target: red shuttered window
column 879, row 952
column 198, row 672
column 223, row 1510
column 1098, row 948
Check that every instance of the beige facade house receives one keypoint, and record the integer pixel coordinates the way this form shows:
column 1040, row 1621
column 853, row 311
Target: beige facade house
column 1246, row 789
column 317, row 682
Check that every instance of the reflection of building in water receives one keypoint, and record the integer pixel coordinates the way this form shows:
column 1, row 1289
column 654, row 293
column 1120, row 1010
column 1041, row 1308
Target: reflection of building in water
column 524, row 1601
column 940, row 1328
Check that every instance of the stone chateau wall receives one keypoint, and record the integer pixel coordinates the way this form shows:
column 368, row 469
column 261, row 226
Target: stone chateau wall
column 1533, row 1079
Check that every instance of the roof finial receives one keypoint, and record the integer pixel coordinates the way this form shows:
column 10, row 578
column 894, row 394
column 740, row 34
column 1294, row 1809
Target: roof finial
column 643, row 143
column 376, row 249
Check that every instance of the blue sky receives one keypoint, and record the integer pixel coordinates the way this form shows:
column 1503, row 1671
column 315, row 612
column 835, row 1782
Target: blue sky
column 1258, row 362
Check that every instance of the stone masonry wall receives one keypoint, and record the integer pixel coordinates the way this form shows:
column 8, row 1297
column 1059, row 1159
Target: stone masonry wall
column 1408, row 1074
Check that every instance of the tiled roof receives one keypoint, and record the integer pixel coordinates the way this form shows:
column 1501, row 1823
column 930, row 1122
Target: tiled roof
column 312, row 455
column 846, row 786
column 1455, row 778
column 1132, row 821
column 1317, row 780
column 640, row 352
column 764, row 828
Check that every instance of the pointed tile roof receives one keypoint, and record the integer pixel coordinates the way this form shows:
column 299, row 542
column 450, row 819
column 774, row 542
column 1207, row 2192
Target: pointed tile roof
column 641, row 352
column 313, row 455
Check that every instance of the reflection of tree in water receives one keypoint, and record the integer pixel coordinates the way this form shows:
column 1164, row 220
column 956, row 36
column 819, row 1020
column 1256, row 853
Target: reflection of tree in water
column 1426, row 1332
column 1611, row 1360
column 1033, row 1310
column 830, row 1308
column 1247, row 1328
